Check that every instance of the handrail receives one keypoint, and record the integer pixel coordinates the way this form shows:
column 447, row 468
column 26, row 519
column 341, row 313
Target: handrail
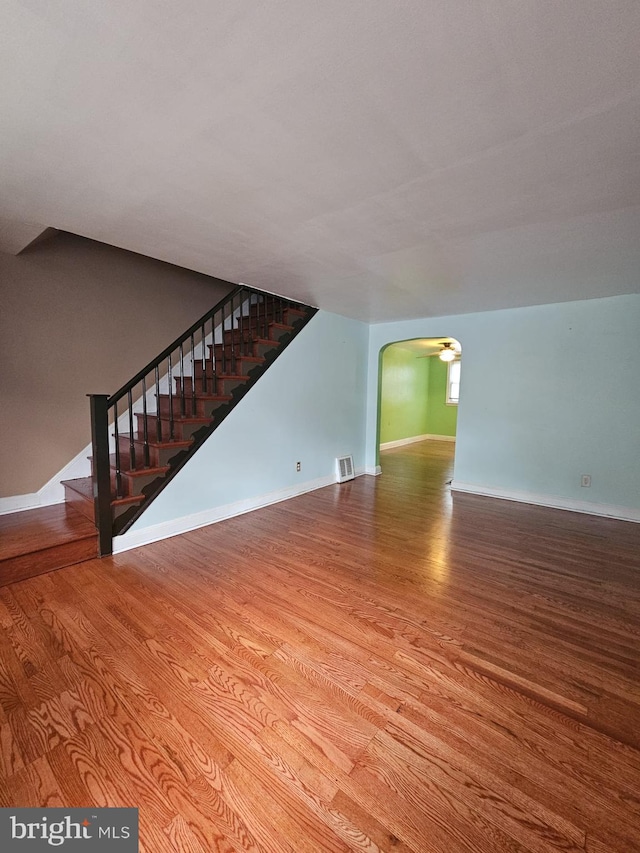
column 228, row 331
column 166, row 352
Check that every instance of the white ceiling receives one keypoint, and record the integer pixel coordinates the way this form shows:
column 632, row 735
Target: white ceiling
column 382, row 159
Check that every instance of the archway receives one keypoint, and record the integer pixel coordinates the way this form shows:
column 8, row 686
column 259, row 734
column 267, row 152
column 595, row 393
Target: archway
column 418, row 392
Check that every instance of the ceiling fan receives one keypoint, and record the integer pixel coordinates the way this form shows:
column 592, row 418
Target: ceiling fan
column 449, row 351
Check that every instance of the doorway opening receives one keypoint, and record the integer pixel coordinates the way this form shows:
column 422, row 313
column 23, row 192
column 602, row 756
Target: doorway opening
column 418, row 394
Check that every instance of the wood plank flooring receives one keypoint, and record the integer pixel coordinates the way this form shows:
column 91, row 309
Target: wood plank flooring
column 372, row 666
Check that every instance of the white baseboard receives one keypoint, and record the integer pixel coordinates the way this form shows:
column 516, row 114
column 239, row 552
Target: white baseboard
column 52, row 492
column 16, row 503
column 387, row 445
column 167, row 529
column 373, row 470
column 553, row 501
column 80, row 466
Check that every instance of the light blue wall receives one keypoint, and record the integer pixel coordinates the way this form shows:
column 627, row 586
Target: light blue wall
column 548, row 393
column 309, row 407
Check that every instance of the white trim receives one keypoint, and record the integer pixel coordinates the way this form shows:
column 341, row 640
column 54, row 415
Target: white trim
column 448, row 400
column 16, row 503
column 52, row 492
column 176, row 526
column 607, row 510
column 80, row 466
column 373, row 470
column 387, row 445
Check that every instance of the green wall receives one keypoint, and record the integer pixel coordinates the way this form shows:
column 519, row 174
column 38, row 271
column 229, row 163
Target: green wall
column 441, row 419
column 403, row 401
column 413, row 396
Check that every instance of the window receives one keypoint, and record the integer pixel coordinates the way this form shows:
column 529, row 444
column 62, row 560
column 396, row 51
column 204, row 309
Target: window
column 453, row 383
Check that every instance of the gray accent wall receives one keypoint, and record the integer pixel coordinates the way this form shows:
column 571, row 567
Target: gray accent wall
column 79, row 317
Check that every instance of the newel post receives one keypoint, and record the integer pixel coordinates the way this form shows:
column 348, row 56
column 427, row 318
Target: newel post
column 101, row 472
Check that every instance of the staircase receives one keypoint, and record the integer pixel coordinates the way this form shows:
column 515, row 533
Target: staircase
column 146, row 432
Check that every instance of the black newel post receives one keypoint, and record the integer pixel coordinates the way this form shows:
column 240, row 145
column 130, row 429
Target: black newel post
column 101, row 472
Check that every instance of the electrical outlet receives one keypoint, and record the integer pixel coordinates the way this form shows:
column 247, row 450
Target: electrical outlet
column 585, row 481
column 298, row 466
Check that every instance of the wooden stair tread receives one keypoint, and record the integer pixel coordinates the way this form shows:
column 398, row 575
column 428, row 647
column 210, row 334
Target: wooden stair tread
column 284, row 326
column 251, row 334
column 37, row 529
column 178, row 443
column 256, row 359
column 84, row 487
column 234, row 376
column 179, row 419
column 223, row 398
column 265, row 342
column 136, row 472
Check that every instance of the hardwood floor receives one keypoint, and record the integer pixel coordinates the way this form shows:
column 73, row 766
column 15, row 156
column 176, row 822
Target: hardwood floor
column 40, row 540
column 372, row 666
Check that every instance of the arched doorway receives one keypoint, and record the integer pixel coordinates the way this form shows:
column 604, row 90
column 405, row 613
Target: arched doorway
column 418, row 392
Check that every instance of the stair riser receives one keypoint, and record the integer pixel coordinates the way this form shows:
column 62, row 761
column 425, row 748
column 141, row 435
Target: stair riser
column 125, row 485
column 158, row 456
column 242, row 347
column 125, row 456
column 256, row 350
column 132, row 485
column 204, row 408
column 245, row 335
column 223, row 387
column 180, row 430
column 209, row 389
column 263, row 329
column 83, row 505
column 138, row 446
column 139, row 461
column 288, row 316
column 237, row 367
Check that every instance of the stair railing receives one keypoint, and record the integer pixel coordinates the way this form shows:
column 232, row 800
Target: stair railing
column 226, row 331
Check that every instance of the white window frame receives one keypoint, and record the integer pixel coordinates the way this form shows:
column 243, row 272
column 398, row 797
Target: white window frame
column 450, row 401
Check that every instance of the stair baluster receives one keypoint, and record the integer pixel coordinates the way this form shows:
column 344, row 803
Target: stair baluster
column 193, row 384
column 145, row 430
column 238, row 338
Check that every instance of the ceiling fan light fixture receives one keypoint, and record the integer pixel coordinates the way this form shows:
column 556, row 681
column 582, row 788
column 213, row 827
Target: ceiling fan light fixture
column 447, row 353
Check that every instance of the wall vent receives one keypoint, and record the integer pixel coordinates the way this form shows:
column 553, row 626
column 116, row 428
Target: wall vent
column 344, row 468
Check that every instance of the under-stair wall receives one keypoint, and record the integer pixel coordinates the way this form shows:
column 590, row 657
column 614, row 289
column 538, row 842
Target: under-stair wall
column 309, row 407
column 77, row 316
